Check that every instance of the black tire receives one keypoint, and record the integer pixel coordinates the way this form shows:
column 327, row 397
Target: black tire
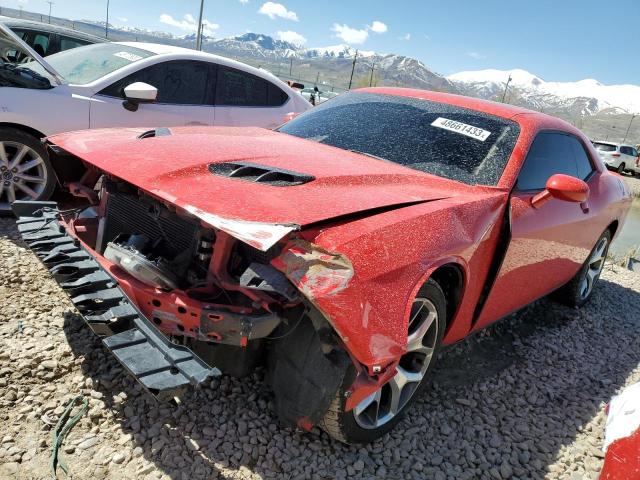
column 621, row 168
column 342, row 425
column 572, row 294
column 11, row 139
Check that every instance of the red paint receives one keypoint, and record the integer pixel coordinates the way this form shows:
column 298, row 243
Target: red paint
column 392, row 253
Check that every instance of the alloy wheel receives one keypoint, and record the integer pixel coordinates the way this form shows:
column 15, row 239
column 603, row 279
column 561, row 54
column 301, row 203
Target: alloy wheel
column 387, row 402
column 594, row 267
column 23, row 174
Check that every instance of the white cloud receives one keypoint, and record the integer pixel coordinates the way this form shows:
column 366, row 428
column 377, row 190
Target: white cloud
column 273, row 10
column 189, row 24
column 291, row 37
column 350, row 35
column 244, row 2
column 406, row 37
column 427, row 37
column 122, row 19
column 476, row 55
column 378, row 27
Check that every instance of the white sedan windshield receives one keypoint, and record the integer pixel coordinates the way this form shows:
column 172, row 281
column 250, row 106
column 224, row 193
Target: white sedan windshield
column 83, row 65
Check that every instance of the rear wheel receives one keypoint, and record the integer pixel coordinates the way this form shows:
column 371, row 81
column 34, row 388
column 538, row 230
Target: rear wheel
column 382, row 410
column 579, row 289
column 25, row 170
column 621, row 168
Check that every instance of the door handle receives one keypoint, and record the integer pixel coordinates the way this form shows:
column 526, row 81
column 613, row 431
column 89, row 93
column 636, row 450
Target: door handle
column 585, row 207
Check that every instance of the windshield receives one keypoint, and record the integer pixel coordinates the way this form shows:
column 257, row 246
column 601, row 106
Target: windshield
column 437, row 138
column 605, row 147
column 83, row 65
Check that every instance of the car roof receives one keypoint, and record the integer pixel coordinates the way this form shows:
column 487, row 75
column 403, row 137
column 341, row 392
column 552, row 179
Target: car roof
column 163, row 49
column 614, row 144
column 46, row 27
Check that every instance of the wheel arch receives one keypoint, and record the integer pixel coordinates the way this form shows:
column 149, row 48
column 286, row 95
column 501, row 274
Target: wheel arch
column 613, row 228
column 451, row 279
column 23, row 128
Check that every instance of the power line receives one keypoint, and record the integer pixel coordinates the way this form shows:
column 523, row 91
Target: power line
column 106, row 24
column 504, row 95
column 50, row 4
column 199, row 34
column 353, row 67
column 629, row 127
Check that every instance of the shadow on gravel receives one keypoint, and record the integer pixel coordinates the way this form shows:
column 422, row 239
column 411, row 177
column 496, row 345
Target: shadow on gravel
column 504, row 403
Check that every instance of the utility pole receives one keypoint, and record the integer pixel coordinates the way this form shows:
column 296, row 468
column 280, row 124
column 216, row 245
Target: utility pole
column 20, row 7
column 373, row 67
column 50, row 4
column 504, row 95
column 317, row 77
column 353, row 67
column 290, row 65
column 106, row 24
column 199, row 34
column 629, row 127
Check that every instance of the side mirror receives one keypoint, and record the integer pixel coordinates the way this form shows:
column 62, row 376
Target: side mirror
column 137, row 93
column 562, row 187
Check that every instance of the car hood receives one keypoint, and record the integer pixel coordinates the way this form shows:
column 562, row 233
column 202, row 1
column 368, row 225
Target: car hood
column 176, row 165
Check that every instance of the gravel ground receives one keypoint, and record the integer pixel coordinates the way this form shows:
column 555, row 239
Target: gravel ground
column 523, row 400
column 634, row 184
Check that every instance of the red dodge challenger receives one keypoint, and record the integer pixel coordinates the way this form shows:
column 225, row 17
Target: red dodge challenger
column 342, row 250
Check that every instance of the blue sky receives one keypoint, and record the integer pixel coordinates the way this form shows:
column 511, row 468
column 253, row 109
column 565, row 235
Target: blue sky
column 558, row 40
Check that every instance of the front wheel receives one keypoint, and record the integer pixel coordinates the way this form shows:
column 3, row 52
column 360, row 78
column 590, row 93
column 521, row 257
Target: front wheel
column 580, row 287
column 621, row 168
column 25, row 170
column 381, row 411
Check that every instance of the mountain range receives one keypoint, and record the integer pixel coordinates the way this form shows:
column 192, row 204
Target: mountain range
column 602, row 111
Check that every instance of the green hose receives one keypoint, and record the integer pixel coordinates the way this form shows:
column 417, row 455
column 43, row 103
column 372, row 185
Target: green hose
column 63, row 427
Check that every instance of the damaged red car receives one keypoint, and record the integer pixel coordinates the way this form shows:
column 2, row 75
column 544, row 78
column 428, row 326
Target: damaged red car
column 341, row 251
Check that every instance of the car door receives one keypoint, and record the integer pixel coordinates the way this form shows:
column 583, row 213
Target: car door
column 548, row 244
column 243, row 99
column 183, row 97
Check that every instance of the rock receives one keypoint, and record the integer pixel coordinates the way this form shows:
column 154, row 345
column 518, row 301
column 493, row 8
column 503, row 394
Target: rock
column 49, row 364
column 118, row 458
column 88, row 443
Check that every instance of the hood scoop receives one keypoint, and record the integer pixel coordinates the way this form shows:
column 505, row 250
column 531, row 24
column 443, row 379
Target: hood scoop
column 251, row 172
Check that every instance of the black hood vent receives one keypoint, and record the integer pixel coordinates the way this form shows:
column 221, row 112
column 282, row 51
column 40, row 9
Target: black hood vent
column 158, row 132
column 252, row 172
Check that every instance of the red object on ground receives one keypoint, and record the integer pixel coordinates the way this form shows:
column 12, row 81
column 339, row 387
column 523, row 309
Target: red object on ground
column 622, row 461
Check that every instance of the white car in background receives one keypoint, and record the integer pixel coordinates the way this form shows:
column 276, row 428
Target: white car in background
column 622, row 158
column 120, row 84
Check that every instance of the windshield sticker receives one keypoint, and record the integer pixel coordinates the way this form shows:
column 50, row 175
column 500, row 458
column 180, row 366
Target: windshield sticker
column 463, row 128
column 132, row 57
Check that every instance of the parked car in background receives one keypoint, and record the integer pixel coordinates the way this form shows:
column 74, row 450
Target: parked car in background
column 47, row 39
column 120, row 84
column 320, row 96
column 619, row 157
column 341, row 252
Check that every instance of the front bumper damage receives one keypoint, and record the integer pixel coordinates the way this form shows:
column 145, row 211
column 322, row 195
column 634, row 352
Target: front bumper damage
column 162, row 367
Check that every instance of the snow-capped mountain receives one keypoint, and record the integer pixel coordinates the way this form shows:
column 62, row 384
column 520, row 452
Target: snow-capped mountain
column 336, row 51
column 584, row 97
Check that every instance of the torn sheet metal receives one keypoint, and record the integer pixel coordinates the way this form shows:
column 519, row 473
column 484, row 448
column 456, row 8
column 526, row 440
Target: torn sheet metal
column 259, row 235
column 315, row 271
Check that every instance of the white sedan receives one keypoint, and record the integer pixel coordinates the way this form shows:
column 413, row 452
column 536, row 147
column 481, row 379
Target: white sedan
column 120, row 84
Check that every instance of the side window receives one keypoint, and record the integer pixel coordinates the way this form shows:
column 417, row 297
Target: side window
column 67, row 43
column 40, row 44
column 634, row 152
column 238, row 88
column 583, row 162
column 549, row 154
column 182, row 82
